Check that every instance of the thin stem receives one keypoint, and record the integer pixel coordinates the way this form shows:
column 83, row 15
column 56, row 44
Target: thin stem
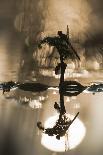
column 61, row 82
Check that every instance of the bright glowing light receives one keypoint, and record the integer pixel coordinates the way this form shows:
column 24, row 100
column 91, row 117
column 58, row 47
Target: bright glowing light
column 54, row 92
column 68, row 99
column 76, row 133
column 35, row 104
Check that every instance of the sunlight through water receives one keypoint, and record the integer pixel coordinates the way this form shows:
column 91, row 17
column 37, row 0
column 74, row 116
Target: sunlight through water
column 76, row 134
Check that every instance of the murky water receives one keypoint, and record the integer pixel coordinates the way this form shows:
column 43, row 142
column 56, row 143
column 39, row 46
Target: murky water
column 20, row 111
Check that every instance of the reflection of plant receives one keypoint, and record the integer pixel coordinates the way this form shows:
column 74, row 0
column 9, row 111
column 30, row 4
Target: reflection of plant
column 60, row 128
column 7, row 86
column 72, row 88
column 65, row 50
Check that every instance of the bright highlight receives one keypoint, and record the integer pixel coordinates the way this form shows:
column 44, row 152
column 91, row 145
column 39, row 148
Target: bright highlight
column 76, row 133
